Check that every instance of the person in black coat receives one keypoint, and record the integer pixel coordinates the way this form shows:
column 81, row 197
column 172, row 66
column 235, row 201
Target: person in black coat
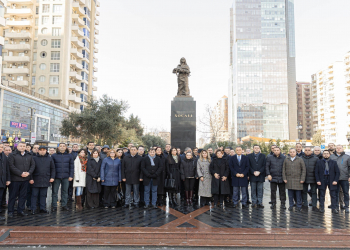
column 257, row 175
column 93, row 181
column 220, row 185
column 43, row 175
column 21, row 167
column 152, row 169
column 4, row 175
column 161, row 178
column 132, row 175
column 188, row 173
column 327, row 175
column 172, row 164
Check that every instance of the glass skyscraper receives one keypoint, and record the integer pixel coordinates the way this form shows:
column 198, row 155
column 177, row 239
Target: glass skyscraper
column 262, row 94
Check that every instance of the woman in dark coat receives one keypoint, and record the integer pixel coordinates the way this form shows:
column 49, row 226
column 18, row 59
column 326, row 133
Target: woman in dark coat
column 188, row 173
column 220, row 185
column 161, row 178
column 93, row 181
column 173, row 163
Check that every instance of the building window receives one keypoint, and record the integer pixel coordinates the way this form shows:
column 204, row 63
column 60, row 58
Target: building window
column 57, row 8
column 56, row 31
column 45, row 20
column 46, row 8
column 33, row 80
column 41, row 91
column 43, row 54
column 56, row 19
column 19, row 78
column 55, row 55
column 34, row 56
column 42, row 66
column 42, row 78
column 44, row 31
column 35, row 44
column 36, row 21
column 34, row 68
column 53, row 91
column 55, row 43
column 54, row 79
column 44, row 42
column 55, row 67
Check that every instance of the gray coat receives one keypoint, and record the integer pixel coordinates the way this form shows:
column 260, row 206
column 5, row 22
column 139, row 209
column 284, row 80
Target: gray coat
column 294, row 172
column 310, row 164
column 343, row 162
column 203, row 171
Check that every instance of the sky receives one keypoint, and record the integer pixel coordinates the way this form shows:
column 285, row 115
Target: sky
column 141, row 41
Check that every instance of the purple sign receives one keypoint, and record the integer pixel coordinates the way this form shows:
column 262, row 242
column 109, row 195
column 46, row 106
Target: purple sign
column 18, row 125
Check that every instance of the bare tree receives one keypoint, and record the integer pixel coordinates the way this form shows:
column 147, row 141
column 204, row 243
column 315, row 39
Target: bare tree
column 211, row 124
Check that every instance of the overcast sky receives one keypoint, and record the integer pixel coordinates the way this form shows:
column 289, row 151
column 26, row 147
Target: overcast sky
column 142, row 41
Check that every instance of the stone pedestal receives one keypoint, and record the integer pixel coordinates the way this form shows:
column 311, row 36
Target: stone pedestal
column 183, row 122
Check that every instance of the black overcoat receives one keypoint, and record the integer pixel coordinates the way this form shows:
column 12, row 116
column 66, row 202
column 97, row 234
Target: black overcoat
column 131, row 169
column 257, row 165
column 334, row 173
column 44, row 171
column 173, row 169
column 219, row 166
column 4, row 171
column 161, row 177
column 93, row 172
column 151, row 172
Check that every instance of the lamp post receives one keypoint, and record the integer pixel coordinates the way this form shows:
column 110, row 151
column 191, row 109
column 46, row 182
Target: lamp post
column 32, row 113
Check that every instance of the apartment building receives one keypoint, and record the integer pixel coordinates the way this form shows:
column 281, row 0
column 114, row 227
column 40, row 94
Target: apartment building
column 50, row 47
column 221, row 123
column 314, row 106
column 3, row 4
column 347, row 89
column 304, row 115
column 330, row 103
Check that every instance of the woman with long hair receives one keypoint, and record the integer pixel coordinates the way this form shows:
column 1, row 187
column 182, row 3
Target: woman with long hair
column 111, row 177
column 188, row 173
column 93, row 184
column 161, row 178
column 80, row 165
column 204, row 175
column 173, row 163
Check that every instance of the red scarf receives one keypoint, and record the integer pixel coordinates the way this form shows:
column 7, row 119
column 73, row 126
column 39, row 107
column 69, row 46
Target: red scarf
column 83, row 161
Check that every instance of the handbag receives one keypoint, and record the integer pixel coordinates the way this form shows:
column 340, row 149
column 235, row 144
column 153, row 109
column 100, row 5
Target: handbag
column 119, row 196
column 170, row 182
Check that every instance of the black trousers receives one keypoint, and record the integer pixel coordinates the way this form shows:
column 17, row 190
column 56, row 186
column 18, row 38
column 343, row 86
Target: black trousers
column 29, row 195
column 18, row 189
column 42, row 193
column 3, row 199
column 142, row 192
column 205, row 200
column 2, row 192
column 216, row 198
column 109, row 196
column 189, row 184
column 70, row 191
column 282, row 192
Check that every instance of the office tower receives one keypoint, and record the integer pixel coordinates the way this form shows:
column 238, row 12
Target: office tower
column 262, row 93
column 50, row 47
column 329, row 87
column 305, row 128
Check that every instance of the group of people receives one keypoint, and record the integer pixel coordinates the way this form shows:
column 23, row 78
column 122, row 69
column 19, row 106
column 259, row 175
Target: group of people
column 98, row 173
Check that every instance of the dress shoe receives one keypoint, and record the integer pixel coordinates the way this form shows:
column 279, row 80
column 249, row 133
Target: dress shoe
column 22, row 214
column 245, row 206
column 126, row 206
column 342, row 207
column 10, row 215
column 335, row 211
column 314, row 209
column 234, row 205
column 249, row 202
column 54, row 209
column 305, row 206
column 270, row 202
column 321, row 210
column 146, row 207
column 294, row 205
column 44, row 211
column 290, row 209
column 65, row 209
column 283, row 206
column 299, row 209
column 273, row 206
column 32, row 212
column 260, row 206
column 221, row 205
column 254, row 205
column 330, row 206
column 310, row 204
column 155, row 206
column 347, row 210
column 137, row 205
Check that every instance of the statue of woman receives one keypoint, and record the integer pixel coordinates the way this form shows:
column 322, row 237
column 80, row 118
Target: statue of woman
column 183, row 72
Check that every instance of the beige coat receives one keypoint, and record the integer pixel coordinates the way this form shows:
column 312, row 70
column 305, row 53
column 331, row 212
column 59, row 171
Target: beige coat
column 78, row 174
column 294, row 172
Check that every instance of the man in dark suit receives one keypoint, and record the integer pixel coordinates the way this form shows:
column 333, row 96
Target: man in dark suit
column 257, row 174
column 239, row 166
column 327, row 175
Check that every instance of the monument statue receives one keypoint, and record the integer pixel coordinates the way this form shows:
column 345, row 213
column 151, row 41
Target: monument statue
column 183, row 72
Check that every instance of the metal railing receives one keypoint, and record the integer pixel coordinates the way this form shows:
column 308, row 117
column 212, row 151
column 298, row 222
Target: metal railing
column 32, row 92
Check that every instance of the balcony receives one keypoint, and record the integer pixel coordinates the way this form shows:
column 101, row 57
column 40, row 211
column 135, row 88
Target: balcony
column 18, row 35
column 97, row 41
column 15, row 71
column 76, row 42
column 21, row 1
column 95, row 78
column 16, row 58
column 21, row 83
column 94, row 88
column 97, row 31
column 74, row 98
column 76, row 64
column 72, row 109
column 95, row 60
column 79, row 32
column 76, row 53
column 19, row 23
column 2, row 22
column 97, row 13
column 75, row 75
column 78, row 9
column 96, row 50
column 95, row 68
column 78, row 20
column 75, row 87
column 97, row 4
column 2, row 40
column 97, row 22
column 19, row 12
column 21, row 47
